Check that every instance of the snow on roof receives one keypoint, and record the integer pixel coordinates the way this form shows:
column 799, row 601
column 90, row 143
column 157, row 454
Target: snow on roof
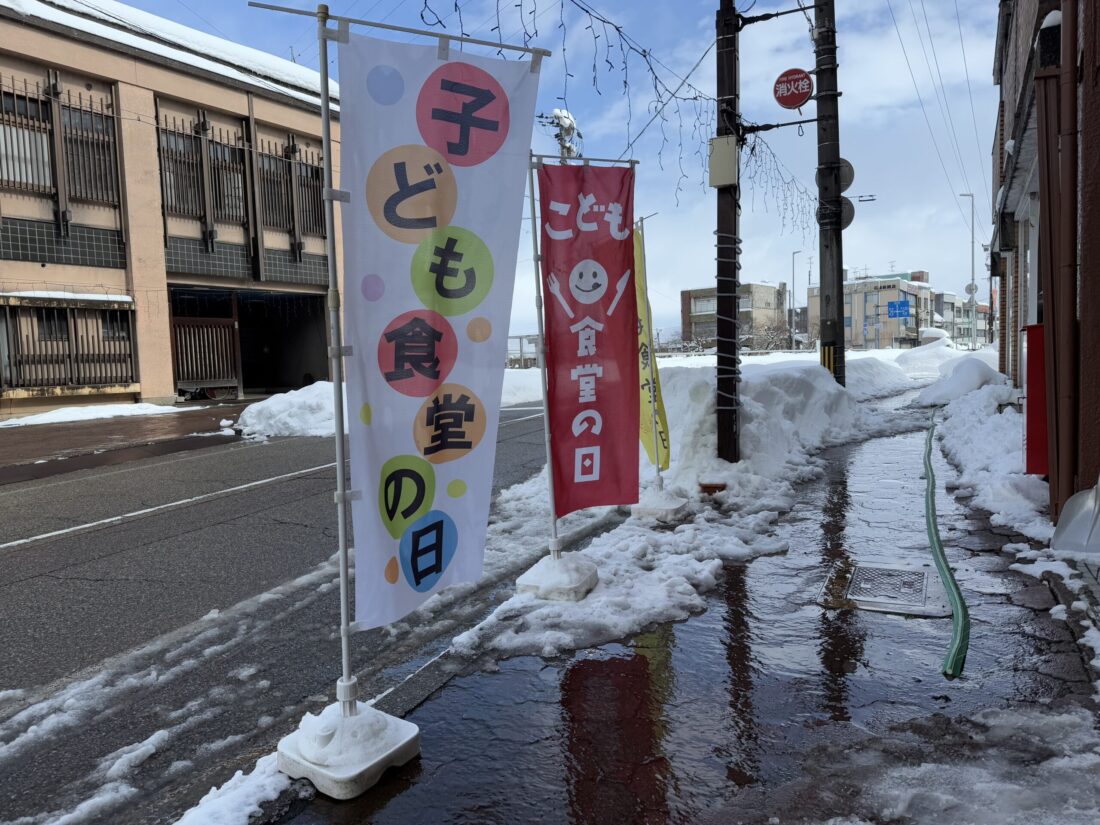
column 165, row 39
column 68, row 296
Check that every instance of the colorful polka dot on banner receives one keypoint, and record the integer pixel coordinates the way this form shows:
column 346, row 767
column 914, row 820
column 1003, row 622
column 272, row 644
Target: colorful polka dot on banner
column 365, row 414
column 456, row 488
column 479, row 330
column 385, row 85
column 392, row 569
column 373, row 288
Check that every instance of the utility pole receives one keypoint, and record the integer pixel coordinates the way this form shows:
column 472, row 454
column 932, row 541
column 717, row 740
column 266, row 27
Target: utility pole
column 790, row 320
column 727, row 30
column 973, row 289
column 828, row 162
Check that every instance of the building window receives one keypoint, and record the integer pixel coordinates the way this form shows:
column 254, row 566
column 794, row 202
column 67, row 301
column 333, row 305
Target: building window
column 701, row 306
column 25, row 142
column 227, row 169
column 115, row 325
column 181, row 173
column 91, row 164
column 53, row 325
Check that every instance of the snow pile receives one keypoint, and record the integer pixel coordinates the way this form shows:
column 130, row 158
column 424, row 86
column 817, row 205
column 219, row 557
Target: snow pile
column 521, row 387
column 988, row 448
column 932, row 334
column 988, row 355
column 307, row 411
column 924, row 361
column 960, row 377
column 648, row 576
column 91, row 412
column 55, row 295
column 332, row 740
column 239, row 798
column 999, row 767
column 875, row 378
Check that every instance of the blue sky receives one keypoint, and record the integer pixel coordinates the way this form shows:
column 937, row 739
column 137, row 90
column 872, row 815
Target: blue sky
column 916, row 221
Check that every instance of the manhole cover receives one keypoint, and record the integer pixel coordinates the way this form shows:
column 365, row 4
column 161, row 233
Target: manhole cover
column 911, row 591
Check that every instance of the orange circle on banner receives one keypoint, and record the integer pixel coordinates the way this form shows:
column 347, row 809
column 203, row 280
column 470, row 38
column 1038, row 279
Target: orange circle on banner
column 449, row 424
column 421, row 170
column 479, row 330
column 392, row 570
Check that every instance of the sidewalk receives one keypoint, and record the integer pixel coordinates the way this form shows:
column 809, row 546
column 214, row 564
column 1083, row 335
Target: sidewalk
column 719, row 718
column 41, row 450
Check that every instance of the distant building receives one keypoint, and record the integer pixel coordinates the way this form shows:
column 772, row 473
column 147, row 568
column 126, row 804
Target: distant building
column 874, row 307
column 948, row 311
column 762, row 313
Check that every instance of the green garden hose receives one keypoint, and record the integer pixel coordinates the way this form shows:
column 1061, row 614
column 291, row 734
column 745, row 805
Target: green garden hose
column 960, row 617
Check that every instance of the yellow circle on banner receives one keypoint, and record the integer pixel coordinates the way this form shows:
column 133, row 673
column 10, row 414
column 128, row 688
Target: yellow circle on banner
column 411, row 190
column 449, row 424
column 365, row 414
column 456, row 488
column 479, row 330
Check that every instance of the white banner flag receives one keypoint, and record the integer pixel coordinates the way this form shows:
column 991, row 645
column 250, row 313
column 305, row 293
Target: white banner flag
column 434, row 153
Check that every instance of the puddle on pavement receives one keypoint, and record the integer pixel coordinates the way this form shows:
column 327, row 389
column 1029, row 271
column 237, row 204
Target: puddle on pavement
column 678, row 722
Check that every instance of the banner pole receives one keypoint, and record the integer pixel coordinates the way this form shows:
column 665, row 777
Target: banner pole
column 555, row 544
column 652, row 365
column 346, row 688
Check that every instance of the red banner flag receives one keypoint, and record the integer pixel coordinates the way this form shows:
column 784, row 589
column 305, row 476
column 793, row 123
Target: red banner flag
column 591, row 315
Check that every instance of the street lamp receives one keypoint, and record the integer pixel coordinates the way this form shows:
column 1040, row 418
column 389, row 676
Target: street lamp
column 972, row 290
column 790, row 320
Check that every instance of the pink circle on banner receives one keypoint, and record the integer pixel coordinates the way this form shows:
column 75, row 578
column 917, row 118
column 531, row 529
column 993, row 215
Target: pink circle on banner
column 416, row 352
column 462, row 113
column 373, row 287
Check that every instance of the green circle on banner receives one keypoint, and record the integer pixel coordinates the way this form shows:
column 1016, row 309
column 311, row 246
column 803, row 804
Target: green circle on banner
column 452, row 270
column 406, row 490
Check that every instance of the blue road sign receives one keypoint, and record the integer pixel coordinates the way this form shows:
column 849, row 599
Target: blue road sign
column 897, row 309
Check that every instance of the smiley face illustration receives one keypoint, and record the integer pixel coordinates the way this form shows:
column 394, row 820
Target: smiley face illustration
column 588, row 281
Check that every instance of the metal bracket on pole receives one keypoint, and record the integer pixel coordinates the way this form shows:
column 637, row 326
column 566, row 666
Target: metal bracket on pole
column 536, row 62
column 340, row 33
column 347, row 496
column 345, row 351
column 337, row 195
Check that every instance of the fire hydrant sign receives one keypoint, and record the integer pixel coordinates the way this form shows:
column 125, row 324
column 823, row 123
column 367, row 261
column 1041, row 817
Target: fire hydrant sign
column 434, row 154
column 591, row 315
column 793, row 88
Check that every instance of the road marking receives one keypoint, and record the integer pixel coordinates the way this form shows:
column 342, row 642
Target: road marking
column 517, row 420
column 160, row 507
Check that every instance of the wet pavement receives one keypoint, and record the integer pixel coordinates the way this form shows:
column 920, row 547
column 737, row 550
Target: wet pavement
column 721, row 718
column 32, row 452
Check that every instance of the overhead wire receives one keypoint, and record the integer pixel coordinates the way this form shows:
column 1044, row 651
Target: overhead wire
column 973, row 114
column 927, row 121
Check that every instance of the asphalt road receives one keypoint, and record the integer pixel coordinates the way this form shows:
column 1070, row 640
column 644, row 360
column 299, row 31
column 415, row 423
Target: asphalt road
column 187, row 602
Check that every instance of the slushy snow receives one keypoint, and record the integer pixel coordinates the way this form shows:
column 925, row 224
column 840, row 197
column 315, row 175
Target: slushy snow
column 92, row 412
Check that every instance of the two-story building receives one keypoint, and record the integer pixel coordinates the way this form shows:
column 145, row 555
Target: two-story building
column 161, row 221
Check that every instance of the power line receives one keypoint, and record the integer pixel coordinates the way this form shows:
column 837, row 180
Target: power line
column 941, row 97
column 927, row 122
column 970, row 93
column 203, row 19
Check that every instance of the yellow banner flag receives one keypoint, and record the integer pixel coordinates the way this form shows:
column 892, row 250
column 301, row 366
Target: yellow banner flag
column 647, row 367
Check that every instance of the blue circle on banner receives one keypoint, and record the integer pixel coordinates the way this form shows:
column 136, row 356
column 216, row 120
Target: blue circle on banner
column 385, row 85
column 426, row 549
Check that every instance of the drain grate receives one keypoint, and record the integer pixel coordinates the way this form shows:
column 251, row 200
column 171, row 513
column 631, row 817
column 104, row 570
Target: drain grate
column 887, row 589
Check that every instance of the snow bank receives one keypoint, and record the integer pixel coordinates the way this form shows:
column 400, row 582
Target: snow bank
column 307, row 411
column 875, row 378
column 92, row 412
column 960, row 377
column 647, row 576
column 239, row 798
column 932, row 334
column 1018, row 766
column 924, row 361
column 521, row 387
column 987, row 354
column 988, row 448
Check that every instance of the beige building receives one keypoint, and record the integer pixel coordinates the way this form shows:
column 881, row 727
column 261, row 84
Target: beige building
column 161, row 221
column 867, row 314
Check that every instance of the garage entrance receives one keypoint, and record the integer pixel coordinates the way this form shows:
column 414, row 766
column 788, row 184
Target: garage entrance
column 227, row 342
